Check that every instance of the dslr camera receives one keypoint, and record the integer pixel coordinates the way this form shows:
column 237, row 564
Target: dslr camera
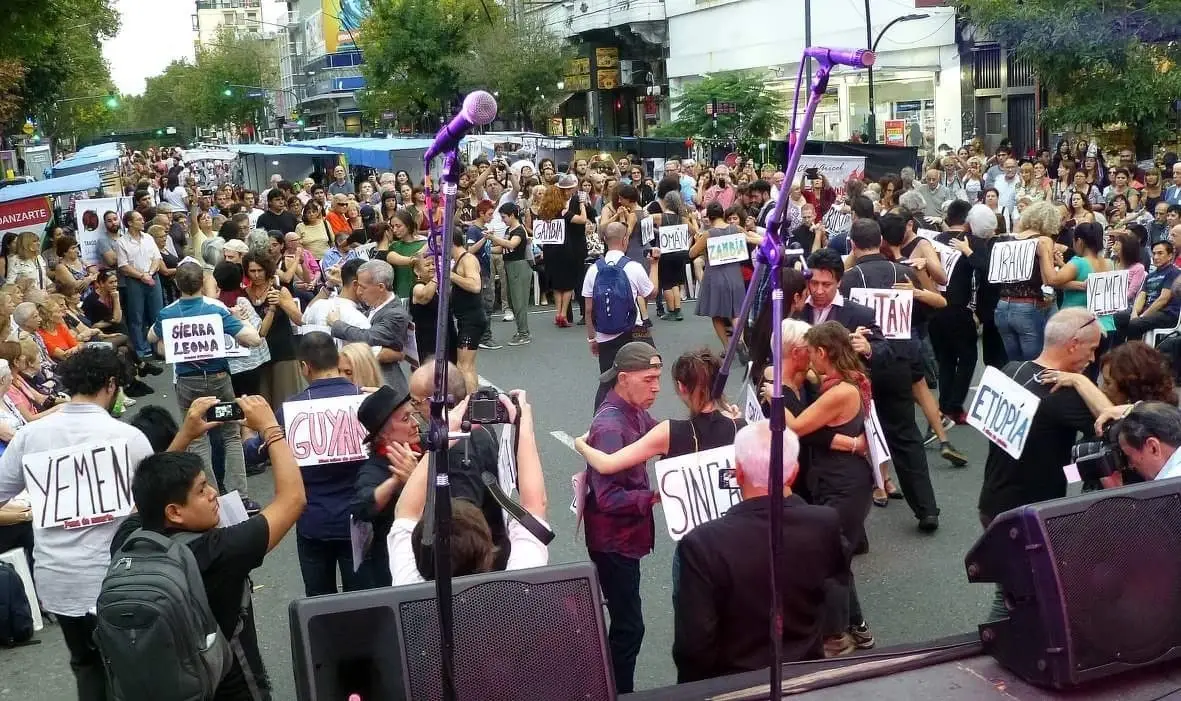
column 1100, row 458
column 484, row 407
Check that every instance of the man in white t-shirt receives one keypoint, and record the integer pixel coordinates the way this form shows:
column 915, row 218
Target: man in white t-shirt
column 472, row 549
column 315, row 318
column 644, row 286
column 75, row 513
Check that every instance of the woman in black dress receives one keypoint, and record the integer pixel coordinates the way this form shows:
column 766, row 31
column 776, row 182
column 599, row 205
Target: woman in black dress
column 424, row 311
column 563, row 261
column 837, row 478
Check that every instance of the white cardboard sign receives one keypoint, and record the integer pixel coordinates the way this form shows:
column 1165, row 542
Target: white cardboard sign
column 1003, row 411
column 674, row 238
column 325, row 431
column 191, row 339
column 752, row 410
column 894, row 309
column 1012, row 261
column 948, row 257
column 91, row 228
column 1107, row 293
column 79, row 486
column 689, row 488
column 879, row 451
column 728, row 248
column 647, row 230
column 547, row 232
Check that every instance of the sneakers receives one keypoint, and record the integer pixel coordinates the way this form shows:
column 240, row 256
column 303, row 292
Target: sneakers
column 951, row 455
column 947, row 421
column 677, row 315
column 519, row 340
column 138, row 388
column 252, row 506
column 149, row 368
column 930, row 437
column 838, row 645
column 490, row 345
column 862, row 638
column 508, row 316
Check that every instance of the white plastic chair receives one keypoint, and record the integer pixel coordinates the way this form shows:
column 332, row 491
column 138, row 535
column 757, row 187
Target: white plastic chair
column 1155, row 336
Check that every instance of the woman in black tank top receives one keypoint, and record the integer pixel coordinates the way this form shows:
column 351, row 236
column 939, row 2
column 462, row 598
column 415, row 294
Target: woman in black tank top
column 424, row 310
column 466, row 308
column 711, row 423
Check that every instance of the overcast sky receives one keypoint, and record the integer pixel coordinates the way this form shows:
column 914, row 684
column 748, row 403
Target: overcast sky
column 154, row 33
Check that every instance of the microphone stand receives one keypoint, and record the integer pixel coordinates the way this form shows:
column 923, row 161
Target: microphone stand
column 438, row 538
column 771, row 254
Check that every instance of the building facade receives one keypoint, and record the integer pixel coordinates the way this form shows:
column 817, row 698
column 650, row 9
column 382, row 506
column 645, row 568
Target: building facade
column 212, row 15
column 320, row 65
column 617, row 85
column 916, row 78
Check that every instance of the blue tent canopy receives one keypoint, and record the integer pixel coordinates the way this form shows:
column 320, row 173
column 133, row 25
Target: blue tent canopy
column 373, row 153
column 88, row 161
column 95, row 149
column 281, row 150
column 77, row 182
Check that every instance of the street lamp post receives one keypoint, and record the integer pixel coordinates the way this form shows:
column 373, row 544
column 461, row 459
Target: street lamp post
column 873, row 46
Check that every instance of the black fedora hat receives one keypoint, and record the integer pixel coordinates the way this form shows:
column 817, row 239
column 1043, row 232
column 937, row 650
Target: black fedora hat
column 377, row 408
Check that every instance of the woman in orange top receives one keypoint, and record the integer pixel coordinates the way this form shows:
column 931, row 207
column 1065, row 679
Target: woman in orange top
column 59, row 340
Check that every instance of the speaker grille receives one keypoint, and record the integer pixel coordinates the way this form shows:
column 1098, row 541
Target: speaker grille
column 1118, row 564
column 506, row 634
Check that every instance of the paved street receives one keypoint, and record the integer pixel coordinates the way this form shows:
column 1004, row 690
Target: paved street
column 912, row 585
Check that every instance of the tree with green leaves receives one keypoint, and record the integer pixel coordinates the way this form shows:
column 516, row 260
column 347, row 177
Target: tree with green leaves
column 1103, row 63
column 758, row 112
column 54, row 49
column 410, row 48
column 523, row 63
column 234, row 60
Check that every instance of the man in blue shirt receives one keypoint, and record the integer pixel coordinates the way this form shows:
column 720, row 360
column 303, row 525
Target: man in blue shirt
column 1157, row 306
column 208, row 378
column 322, row 532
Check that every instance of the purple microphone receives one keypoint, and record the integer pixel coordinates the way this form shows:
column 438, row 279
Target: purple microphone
column 479, row 108
column 857, row 58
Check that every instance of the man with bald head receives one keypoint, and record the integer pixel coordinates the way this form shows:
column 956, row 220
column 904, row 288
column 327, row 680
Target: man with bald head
column 721, row 593
column 1071, row 338
column 934, row 193
column 466, row 463
column 644, row 286
column 340, row 184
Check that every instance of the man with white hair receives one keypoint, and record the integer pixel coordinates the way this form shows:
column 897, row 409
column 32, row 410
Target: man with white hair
column 981, row 224
column 1071, row 338
column 935, row 195
column 388, row 322
column 722, row 594
column 340, row 184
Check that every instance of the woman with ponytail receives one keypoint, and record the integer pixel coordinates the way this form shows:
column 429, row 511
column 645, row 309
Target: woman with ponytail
column 712, row 423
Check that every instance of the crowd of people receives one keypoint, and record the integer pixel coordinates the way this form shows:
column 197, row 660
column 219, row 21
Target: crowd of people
column 327, row 287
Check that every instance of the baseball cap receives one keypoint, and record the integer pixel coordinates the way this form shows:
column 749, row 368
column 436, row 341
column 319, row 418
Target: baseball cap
column 568, row 181
column 632, row 357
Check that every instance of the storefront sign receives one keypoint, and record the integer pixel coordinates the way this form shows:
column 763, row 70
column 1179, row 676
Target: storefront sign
column 895, row 132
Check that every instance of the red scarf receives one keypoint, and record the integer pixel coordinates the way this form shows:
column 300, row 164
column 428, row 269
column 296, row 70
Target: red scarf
column 862, row 384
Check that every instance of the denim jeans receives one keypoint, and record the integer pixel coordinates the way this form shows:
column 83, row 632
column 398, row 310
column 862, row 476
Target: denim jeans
column 1022, row 326
column 143, row 305
column 215, row 384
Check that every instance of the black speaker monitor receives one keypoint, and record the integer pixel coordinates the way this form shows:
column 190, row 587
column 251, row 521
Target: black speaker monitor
column 519, row 636
column 1092, row 584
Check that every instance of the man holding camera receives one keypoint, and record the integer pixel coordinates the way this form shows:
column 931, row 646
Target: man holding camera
column 1149, row 435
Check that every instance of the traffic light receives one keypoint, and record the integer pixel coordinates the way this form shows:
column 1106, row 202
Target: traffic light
column 299, row 121
column 112, row 101
column 227, row 92
column 159, row 132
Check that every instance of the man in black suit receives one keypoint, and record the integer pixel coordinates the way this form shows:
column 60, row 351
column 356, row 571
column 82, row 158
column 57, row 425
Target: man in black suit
column 890, row 379
column 722, row 593
column 893, row 386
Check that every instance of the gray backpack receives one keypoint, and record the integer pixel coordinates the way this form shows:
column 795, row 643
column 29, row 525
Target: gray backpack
column 155, row 631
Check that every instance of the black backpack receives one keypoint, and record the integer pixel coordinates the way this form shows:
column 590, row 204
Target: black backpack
column 16, row 618
column 156, row 633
